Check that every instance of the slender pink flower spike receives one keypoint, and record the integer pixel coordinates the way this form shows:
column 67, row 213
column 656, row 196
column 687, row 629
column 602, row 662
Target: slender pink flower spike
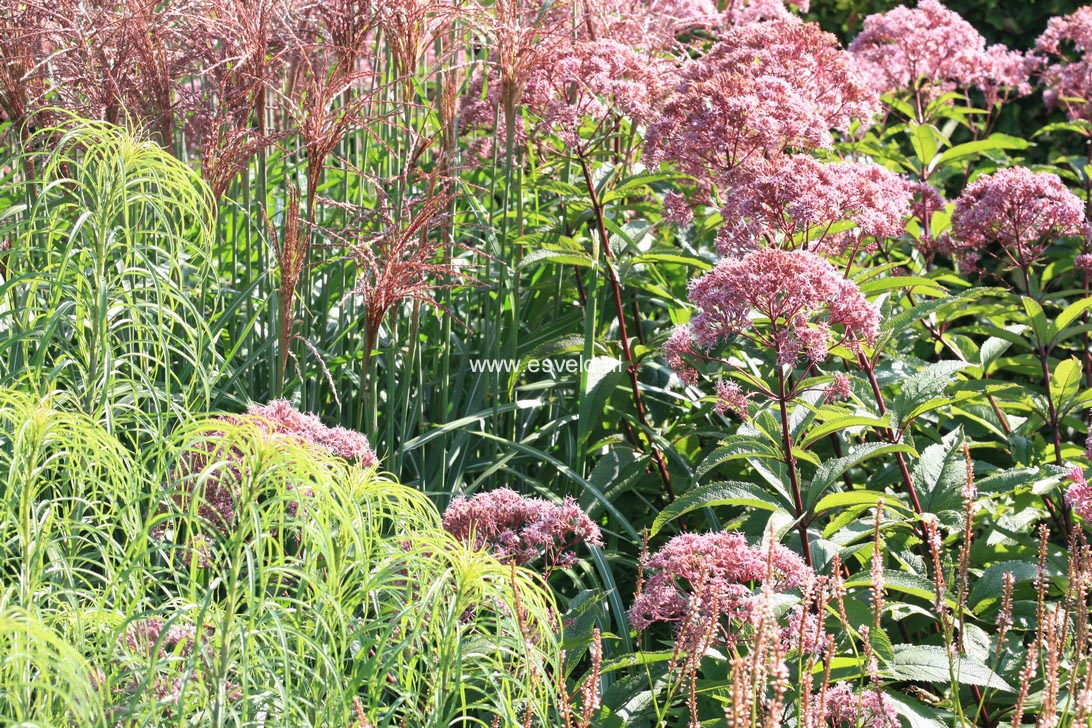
column 793, row 302
column 801, row 202
column 762, row 89
column 1015, row 214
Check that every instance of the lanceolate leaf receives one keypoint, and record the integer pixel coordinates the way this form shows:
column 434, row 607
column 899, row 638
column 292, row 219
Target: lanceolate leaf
column 835, row 468
column 726, row 493
column 930, row 663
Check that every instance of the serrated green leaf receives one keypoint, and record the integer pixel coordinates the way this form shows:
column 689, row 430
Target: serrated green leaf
column 853, row 498
column 1065, row 382
column 930, row 663
column 842, row 422
column 834, row 468
column 724, row 493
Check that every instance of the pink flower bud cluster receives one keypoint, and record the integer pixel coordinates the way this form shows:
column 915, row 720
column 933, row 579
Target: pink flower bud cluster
column 807, row 306
column 838, row 390
column 931, row 47
column 520, row 529
column 1014, row 214
column 762, row 89
column 712, row 572
column 1068, row 40
column 731, row 398
column 867, row 709
column 802, row 202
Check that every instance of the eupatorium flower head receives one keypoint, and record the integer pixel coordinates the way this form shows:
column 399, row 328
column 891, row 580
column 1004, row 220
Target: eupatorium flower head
column 1015, row 213
column 905, row 46
column 589, row 80
column 807, row 305
column 520, row 529
column 1069, row 79
column 802, row 202
column 867, row 709
column 763, row 88
column 713, row 572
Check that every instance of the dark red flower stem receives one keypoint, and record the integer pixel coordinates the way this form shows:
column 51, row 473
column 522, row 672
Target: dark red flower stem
column 790, row 463
column 632, row 365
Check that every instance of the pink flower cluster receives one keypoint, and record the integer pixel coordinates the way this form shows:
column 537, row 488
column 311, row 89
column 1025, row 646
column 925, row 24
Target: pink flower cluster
column 659, row 25
column 931, row 47
column 589, row 80
column 146, row 637
column 1016, row 214
column 218, row 487
column 730, row 397
column 710, row 573
column 280, row 418
column 867, row 709
column 520, row 529
column 801, row 296
column 838, row 390
column 1079, row 494
column 802, row 202
column 1068, row 40
column 762, row 89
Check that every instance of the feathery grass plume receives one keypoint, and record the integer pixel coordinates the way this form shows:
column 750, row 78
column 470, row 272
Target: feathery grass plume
column 762, row 89
column 23, row 44
column 521, row 38
column 799, row 202
column 241, row 48
column 398, row 254
column 332, row 105
column 118, row 61
column 1014, row 215
column 410, row 27
column 522, row 530
column 291, row 249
